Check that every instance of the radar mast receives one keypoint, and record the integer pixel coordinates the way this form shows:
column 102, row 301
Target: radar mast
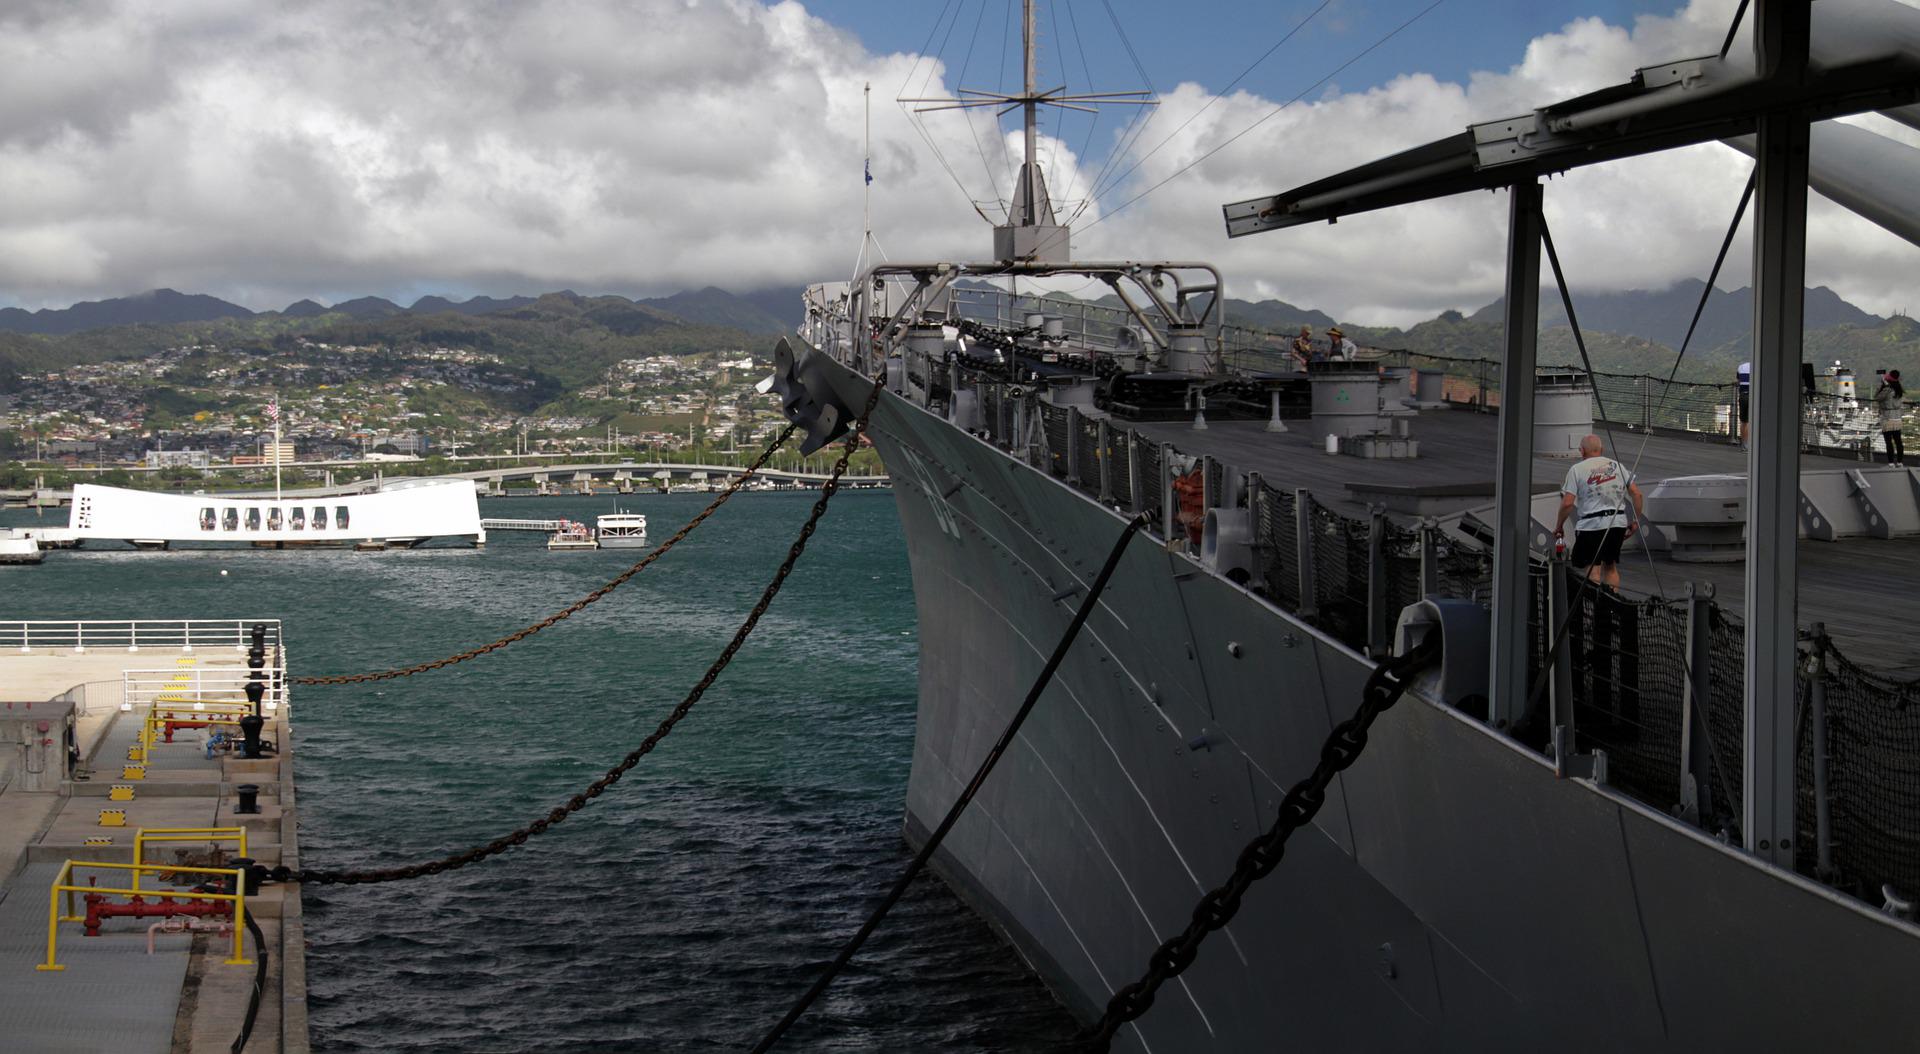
column 1032, row 233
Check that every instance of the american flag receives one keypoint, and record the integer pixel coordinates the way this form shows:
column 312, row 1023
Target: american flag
column 273, row 408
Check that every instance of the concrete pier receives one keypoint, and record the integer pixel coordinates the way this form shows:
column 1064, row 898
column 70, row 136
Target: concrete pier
column 113, row 994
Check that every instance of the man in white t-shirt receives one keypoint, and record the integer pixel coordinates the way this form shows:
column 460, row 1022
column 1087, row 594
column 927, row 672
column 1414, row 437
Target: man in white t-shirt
column 1596, row 494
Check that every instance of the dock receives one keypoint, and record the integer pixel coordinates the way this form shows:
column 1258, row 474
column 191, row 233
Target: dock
column 89, row 780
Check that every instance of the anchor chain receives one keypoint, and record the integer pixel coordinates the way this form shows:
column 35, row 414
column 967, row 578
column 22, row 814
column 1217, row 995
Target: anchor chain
column 1261, row 855
column 617, row 581
column 599, row 786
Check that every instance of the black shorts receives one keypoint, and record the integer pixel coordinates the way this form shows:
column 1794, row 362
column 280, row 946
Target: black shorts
column 1597, row 547
column 1743, row 408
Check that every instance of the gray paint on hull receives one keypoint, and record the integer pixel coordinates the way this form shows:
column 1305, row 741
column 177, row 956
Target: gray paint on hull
column 1452, row 892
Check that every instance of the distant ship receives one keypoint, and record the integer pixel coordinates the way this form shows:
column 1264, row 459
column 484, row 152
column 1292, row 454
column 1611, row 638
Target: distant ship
column 621, row 530
column 1552, row 843
column 572, row 535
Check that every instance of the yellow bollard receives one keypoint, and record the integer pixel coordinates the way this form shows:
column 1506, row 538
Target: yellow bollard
column 133, row 772
column 113, row 817
column 120, row 792
column 97, row 840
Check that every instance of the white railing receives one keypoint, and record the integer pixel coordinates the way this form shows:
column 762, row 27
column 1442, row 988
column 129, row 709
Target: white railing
column 134, row 634
column 84, row 695
column 194, row 687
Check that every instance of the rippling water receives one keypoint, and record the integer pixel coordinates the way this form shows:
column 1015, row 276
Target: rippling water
column 688, row 906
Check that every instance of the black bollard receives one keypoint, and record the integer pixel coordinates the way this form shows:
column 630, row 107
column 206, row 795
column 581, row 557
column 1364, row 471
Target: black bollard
column 250, row 728
column 250, row 873
column 249, row 794
column 255, row 691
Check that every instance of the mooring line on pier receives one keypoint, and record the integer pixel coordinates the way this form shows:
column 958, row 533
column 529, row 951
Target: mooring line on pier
column 617, row 581
column 599, row 786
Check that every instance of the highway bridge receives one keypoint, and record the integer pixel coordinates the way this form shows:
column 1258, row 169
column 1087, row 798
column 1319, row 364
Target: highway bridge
column 623, row 476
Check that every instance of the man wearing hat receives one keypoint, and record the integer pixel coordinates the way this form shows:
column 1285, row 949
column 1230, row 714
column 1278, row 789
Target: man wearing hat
column 1339, row 348
column 1303, row 346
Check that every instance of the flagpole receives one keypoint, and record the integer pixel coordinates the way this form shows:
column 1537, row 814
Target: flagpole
column 866, row 215
column 866, row 218
column 276, row 447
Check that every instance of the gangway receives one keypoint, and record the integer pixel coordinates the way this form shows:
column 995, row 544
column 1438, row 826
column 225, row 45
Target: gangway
column 519, row 525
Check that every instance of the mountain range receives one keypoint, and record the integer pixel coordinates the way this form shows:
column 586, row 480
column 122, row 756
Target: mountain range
column 767, row 311
column 1659, row 316
column 1662, row 316
column 569, row 337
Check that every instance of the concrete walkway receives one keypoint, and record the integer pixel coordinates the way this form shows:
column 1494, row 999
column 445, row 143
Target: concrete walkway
column 113, row 995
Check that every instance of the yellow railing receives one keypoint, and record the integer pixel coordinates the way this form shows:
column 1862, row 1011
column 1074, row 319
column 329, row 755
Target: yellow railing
column 62, row 884
column 183, row 834
column 153, row 727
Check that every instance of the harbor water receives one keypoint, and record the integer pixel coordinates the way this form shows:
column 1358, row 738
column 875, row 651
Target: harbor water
column 685, row 908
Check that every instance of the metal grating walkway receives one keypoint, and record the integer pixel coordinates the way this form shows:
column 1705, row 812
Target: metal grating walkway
column 112, row 995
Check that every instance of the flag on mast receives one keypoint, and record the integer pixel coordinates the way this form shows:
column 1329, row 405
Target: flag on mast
column 273, row 408
column 869, row 171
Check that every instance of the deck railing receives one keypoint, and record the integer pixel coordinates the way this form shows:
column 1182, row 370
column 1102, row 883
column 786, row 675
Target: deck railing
column 1830, row 421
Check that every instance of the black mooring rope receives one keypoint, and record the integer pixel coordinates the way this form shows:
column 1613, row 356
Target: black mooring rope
column 259, row 980
column 920, row 859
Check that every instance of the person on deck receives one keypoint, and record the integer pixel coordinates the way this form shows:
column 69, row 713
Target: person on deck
column 1189, row 489
column 1892, row 416
column 1303, row 346
column 1339, row 348
column 1744, row 375
column 1596, row 494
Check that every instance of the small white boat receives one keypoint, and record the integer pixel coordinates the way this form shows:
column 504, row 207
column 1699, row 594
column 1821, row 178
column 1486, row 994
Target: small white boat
column 622, row 530
column 572, row 535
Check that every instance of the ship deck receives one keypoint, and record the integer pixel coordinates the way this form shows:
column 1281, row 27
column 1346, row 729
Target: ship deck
column 1860, row 587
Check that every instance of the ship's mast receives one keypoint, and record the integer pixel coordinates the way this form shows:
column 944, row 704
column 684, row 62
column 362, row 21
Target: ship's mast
column 1030, row 182
column 1031, row 234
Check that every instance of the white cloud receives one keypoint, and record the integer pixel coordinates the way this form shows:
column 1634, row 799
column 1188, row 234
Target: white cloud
column 264, row 153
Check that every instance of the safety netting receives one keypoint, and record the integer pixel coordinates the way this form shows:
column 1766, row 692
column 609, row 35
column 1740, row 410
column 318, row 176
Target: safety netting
column 1053, row 421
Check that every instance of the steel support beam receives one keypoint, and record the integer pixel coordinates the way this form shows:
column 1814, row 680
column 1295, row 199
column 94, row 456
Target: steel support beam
column 1513, row 520
column 1697, row 789
column 1773, row 458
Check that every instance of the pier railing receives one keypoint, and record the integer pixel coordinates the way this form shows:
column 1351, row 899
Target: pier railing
column 198, row 687
column 184, row 635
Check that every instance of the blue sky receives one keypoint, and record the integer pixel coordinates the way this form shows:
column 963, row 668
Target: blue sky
column 1211, row 43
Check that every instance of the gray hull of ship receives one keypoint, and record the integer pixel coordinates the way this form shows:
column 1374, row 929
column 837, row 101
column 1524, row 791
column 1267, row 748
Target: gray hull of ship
column 1451, row 893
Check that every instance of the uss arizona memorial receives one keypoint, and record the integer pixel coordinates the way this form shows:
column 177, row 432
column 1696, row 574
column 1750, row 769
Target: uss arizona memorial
column 402, row 513
column 396, row 513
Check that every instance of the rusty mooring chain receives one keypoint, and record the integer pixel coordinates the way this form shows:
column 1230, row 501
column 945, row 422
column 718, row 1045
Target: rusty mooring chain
column 1261, row 855
column 617, row 581
column 597, row 787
